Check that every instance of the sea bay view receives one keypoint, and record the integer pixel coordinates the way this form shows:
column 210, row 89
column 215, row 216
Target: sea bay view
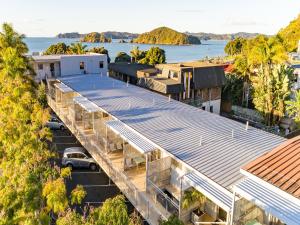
column 209, row 48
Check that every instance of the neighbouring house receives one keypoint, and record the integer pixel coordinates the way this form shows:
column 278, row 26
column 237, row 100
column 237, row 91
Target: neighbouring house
column 270, row 191
column 296, row 85
column 196, row 83
column 52, row 66
column 156, row 149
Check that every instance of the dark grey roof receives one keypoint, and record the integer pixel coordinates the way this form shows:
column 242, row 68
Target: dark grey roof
column 178, row 128
column 208, row 77
column 129, row 69
column 162, row 85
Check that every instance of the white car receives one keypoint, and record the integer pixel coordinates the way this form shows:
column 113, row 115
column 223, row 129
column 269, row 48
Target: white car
column 77, row 157
column 55, row 124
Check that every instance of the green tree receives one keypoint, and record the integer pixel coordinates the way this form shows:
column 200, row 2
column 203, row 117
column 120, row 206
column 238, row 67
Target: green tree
column 57, row 49
column 77, row 195
column 122, row 57
column 29, row 187
column 293, row 107
column 100, row 50
column 271, row 90
column 172, row 220
column 11, row 39
column 77, row 48
column 291, row 34
column 154, row 55
column 235, row 46
column 137, row 54
column 113, row 212
column 190, row 197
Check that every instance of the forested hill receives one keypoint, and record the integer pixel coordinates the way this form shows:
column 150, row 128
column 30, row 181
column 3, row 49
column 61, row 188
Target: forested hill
column 107, row 34
column 167, row 36
column 291, row 34
column 212, row 36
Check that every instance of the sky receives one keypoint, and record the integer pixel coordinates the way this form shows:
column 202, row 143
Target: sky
column 47, row 18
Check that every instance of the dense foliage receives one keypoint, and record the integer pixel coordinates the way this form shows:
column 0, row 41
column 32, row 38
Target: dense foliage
column 172, row 220
column 154, row 55
column 122, row 57
column 293, row 107
column 95, row 37
column 100, row 50
column 291, row 34
column 57, row 49
column 235, row 46
column 26, row 174
column 259, row 63
column 165, row 35
column 74, row 48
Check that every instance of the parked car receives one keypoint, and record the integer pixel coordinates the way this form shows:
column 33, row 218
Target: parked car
column 77, row 157
column 55, row 124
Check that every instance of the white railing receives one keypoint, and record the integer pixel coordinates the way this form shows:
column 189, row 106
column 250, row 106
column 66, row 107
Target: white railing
column 139, row 199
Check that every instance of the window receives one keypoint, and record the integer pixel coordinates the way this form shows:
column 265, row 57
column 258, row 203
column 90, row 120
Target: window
column 203, row 108
column 101, row 64
column 81, row 65
column 80, row 156
column 173, row 74
column 40, row 66
column 211, row 108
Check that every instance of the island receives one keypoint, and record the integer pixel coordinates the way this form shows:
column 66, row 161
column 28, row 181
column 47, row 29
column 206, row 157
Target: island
column 96, row 37
column 70, row 35
column 166, row 36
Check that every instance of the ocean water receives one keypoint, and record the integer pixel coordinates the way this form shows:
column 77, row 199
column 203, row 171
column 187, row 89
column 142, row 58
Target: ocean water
column 211, row 48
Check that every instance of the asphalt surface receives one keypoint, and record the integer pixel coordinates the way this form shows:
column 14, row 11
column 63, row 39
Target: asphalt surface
column 97, row 184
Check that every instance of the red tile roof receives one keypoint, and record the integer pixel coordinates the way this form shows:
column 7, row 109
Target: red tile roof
column 280, row 167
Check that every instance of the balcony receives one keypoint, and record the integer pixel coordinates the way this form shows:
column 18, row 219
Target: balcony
column 119, row 158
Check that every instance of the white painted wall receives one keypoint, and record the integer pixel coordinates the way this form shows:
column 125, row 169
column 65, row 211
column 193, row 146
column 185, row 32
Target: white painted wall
column 216, row 105
column 70, row 64
column 41, row 74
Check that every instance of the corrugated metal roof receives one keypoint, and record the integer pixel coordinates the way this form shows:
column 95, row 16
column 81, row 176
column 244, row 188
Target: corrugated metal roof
column 86, row 104
column 279, row 206
column 133, row 138
column 177, row 127
column 280, row 167
column 222, row 197
column 63, row 88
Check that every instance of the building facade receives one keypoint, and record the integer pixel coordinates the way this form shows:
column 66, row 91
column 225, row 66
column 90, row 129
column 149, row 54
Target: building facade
column 194, row 83
column 52, row 66
column 157, row 150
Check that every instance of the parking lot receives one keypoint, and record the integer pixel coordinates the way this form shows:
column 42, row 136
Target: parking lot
column 96, row 183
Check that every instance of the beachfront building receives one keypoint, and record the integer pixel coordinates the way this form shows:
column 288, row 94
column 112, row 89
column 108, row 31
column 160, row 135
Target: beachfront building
column 53, row 66
column 156, row 149
column 270, row 192
column 195, row 83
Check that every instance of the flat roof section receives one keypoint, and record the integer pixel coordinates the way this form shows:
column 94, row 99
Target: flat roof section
column 177, row 128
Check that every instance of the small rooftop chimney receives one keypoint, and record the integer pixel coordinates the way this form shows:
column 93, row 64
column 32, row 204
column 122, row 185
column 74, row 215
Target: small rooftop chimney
column 169, row 98
column 200, row 141
column 232, row 133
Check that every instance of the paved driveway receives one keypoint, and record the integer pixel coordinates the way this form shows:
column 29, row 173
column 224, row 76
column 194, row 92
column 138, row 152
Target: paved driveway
column 97, row 184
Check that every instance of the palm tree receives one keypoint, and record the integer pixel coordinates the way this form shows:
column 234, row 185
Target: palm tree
column 190, row 197
column 77, row 48
column 293, row 107
column 10, row 38
column 137, row 54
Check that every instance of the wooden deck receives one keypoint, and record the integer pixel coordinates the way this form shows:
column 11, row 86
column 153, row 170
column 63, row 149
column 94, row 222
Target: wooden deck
column 136, row 175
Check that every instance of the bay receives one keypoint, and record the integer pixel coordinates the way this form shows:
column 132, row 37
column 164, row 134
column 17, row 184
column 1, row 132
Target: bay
column 210, row 48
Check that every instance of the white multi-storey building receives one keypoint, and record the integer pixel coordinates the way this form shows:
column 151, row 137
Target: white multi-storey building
column 156, row 149
column 53, row 66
